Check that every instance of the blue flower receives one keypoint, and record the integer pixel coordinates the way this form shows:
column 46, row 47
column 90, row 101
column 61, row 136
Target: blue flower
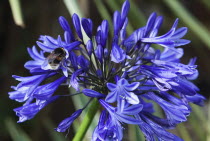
column 124, row 74
column 122, row 90
column 107, row 130
column 66, row 123
column 109, row 126
column 92, row 93
column 29, row 110
column 117, row 55
column 153, row 130
column 87, row 25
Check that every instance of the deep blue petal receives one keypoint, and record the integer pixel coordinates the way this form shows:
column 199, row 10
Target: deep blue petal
column 45, row 47
column 175, row 113
column 84, row 63
column 179, row 33
column 196, row 99
column 66, row 123
column 35, row 54
column 77, row 26
column 117, row 55
column 133, row 109
column 45, row 91
column 127, row 119
column 111, row 86
column 116, row 22
column 33, row 64
column 73, row 59
column 123, row 30
column 92, row 93
column 99, row 53
column 65, row 25
column 150, row 23
column 157, row 131
column 72, row 45
column 87, row 26
column 104, row 32
column 17, row 95
column 132, row 86
column 74, row 82
column 124, row 11
column 131, row 98
column 111, row 97
column 27, row 112
column 89, row 46
column 122, row 82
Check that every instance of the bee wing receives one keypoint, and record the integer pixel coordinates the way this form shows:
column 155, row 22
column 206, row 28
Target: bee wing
column 45, row 65
column 49, row 62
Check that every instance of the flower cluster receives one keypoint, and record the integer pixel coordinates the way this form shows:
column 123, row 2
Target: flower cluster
column 124, row 74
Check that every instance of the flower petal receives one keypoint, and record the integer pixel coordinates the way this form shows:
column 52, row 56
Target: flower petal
column 66, row 123
column 92, row 93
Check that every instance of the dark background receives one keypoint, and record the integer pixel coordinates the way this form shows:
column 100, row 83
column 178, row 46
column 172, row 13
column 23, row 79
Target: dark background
column 41, row 18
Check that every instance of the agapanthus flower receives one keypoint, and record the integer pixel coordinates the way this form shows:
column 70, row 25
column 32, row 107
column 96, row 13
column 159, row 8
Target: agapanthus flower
column 124, row 74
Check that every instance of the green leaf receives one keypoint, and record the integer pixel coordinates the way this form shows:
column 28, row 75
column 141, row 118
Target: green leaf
column 134, row 133
column 55, row 136
column 181, row 128
column 208, row 121
column 196, row 130
column 206, row 3
column 16, row 133
column 17, row 12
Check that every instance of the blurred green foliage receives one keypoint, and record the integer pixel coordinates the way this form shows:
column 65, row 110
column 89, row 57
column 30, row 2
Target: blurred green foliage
column 40, row 17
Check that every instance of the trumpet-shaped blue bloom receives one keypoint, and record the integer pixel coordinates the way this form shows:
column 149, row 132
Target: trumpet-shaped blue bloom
column 124, row 74
column 122, row 90
column 66, row 123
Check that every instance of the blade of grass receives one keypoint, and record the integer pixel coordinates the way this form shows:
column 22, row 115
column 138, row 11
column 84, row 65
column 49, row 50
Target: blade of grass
column 16, row 133
column 17, row 12
column 206, row 3
column 192, row 22
column 201, row 119
column 139, row 134
column 55, row 136
column 196, row 130
column 134, row 133
column 73, row 7
column 181, row 128
column 208, row 122
column 199, row 114
column 158, row 110
column 131, row 132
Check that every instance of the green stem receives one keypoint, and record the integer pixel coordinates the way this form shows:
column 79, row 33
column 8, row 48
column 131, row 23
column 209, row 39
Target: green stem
column 86, row 121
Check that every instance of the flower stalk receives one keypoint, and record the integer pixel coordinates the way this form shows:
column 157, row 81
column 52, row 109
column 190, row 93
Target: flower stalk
column 87, row 121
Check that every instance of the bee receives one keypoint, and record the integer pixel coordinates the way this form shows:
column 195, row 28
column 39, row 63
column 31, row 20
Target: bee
column 54, row 59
